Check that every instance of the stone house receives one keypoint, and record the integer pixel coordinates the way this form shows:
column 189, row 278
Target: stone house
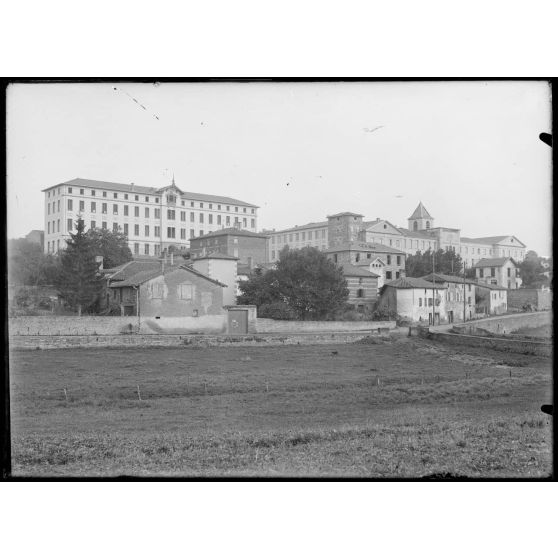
column 460, row 295
column 415, row 299
column 363, row 287
column 491, row 299
column 501, row 272
column 221, row 268
column 249, row 247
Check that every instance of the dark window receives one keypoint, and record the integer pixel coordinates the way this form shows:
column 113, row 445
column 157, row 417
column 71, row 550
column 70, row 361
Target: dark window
column 398, row 260
column 125, row 196
column 126, row 229
column 389, row 260
column 492, row 272
column 136, row 211
column 104, row 208
column 147, row 212
column 104, row 224
column 125, row 210
column 115, row 209
column 104, row 194
column 93, row 224
column 146, row 230
column 115, row 227
column 115, row 195
column 136, row 230
column 93, row 207
column 388, row 275
column 70, row 205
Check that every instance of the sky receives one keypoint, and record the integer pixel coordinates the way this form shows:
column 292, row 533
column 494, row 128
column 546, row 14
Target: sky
column 469, row 151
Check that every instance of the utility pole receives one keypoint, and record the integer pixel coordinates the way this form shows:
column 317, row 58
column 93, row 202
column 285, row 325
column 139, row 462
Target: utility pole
column 464, row 315
column 433, row 293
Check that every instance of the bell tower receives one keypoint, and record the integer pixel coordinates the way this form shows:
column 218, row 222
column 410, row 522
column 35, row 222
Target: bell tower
column 420, row 220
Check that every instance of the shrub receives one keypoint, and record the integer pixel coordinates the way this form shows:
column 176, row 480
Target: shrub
column 382, row 314
column 276, row 311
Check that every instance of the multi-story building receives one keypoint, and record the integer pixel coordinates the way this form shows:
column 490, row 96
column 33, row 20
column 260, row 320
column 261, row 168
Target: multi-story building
column 153, row 219
column 460, row 295
column 419, row 236
column 249, row 247
column 501, row 272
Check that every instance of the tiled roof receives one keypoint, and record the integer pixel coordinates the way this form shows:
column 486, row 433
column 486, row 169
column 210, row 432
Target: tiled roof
column 354, row 271
column 412, row 283
column 134, row 189
column 420, row 213
column 363, row 247
column 492, row 262
column 415, row 234
column 216, row 256
column 345, row 214
column 143, row 275
column 317, row 225
column 232, row 232
column 441, row 277
column 490, row 287
column 129, row 269
column 367, row 224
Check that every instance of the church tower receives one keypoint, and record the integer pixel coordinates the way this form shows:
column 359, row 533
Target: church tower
column 420, row 220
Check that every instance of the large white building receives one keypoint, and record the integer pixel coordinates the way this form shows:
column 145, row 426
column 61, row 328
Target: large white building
column 152, row 218
column 420, row 236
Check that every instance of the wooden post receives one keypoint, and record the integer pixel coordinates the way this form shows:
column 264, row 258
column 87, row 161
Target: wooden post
column 66, row 393
column 267, row 387
column 205, row 387
column 139, row 394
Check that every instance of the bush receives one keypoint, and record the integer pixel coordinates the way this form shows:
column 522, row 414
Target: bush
column 382, row 314
column 276, row 311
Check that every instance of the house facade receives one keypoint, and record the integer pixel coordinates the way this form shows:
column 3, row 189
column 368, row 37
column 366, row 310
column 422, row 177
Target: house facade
column 491, row 299
column 501, row 272
column 415, row 299
column 153, row 219
column 460, row 295
column 249, row 247
column 363, row 287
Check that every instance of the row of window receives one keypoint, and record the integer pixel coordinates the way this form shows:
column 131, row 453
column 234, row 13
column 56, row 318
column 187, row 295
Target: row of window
column 170, row 198
column 296, row 237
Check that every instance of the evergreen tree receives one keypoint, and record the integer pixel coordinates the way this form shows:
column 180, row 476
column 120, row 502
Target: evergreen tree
column 446, row 261
column 79, row 282
column 113, row 246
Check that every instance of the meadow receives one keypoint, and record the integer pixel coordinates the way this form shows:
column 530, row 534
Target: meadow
column 379, row 408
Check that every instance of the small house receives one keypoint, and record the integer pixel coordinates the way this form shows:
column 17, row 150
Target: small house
column 363, row 287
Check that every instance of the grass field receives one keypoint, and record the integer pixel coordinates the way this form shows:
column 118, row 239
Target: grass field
column 398, row 408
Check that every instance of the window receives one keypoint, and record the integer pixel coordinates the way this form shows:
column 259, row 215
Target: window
column 509, row 271
column 219, row 207
column 492, row 272
column 427, row 224
column 398, row 260
column 469, row 300
column 228, row 207
column 389, row 260
column 147, row 199
column 48, row 227
column 125, row 196
column 115, row 209
column 104, row 208
column 210, row 218
column 183, row 215
column 136, row 198
column 156, row 200
column 296, row 237
column 70, row 224
column 192, row 216
column 397, row 274
column 126, row 211
column 58, row 205
column 69, row 190
column 171, row 233
column 104, row 224
column 157, row 213
column 146, row 230
column 218, row 219
column 93, row 193
column 191, row 204
column 201, row 205
column 115, row 227
column 388, row 275
column 146, row 212
column 93, row 207
column 236, row 209
column 481, row 272
column 115, row 195
column 136, row 247
column 81, row 191
column 235, row 240
column 253, row 211
column 104, row 194
column 146, row 249
column 136, row 230
column 185, row 291
column 70, row 205
column 201, row 217
column 136, row 211
column 420, row 301
column 273, row 254
column 48, row 208
column 126, row 229
column 192, row 233
column 357, row 257
column 157, row 250
column 429, row 302
column 228, row 220
column 360, row 293
column 244, row 222
column 157, row 232
column 183, row 202
column 290, row 237
column 183, row 234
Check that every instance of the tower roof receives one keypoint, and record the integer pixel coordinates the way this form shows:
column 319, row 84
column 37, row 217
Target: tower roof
column 421, row 213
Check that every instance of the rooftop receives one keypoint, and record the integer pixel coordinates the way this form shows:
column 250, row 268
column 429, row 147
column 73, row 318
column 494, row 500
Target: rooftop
column 443, row 278
column 134, row 189
column 420, row 213
column 354, row 271
column 216, row 256
column 319, row 224
column 493, row 262
column 232, row 232
column 412, row 283
column 364, row 247
column 345, row 214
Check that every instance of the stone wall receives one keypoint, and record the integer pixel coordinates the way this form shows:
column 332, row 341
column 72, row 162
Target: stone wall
column 537, row 298
column 530, row 347
column 266, row 325
column 508, row 323
column 72, row 325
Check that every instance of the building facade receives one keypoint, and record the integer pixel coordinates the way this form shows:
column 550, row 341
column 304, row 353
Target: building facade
column 249, row 247
column 363, row 287
column 153, row 219
column 419, row 235
column 501, row 272
column 460, row 295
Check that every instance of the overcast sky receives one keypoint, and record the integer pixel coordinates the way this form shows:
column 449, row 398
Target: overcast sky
column 469, row 150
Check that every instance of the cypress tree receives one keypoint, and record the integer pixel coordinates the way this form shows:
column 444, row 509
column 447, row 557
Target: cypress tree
column 79, row 282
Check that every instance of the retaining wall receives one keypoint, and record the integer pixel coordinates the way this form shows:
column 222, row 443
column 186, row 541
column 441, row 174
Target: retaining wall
column 508, row 323
column 540, row 348
column 266, row 325
column 71, row 325
column 34, row 342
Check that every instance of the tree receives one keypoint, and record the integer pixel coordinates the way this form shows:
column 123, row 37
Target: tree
column 79, row 282
column 532, row 272
column 446, row 261
column 28, row 265
column 305, row 280
column 113, row 246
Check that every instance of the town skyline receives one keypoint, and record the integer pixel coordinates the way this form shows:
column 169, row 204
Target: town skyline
column 300, row 151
